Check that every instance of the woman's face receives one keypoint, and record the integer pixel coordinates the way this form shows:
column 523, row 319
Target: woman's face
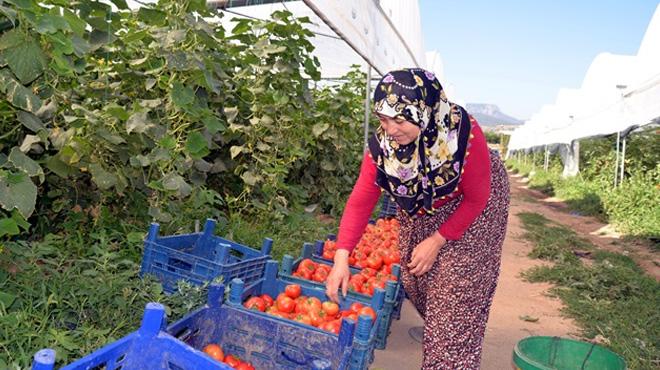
column 402, row 131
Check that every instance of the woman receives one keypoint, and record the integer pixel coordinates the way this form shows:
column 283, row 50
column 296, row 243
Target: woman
column 453, row 199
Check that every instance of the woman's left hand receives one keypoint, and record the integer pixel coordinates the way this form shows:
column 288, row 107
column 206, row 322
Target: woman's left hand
column 425, row 253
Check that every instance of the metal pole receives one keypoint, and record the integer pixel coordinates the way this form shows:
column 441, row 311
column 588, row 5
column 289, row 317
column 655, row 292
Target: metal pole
column 616, row 159
column 367, row 106
column 623, row 159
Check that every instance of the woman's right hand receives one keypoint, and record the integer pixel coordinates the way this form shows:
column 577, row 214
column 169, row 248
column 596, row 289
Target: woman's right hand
column 338, row 276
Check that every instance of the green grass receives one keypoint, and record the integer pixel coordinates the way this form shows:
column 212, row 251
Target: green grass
column 74, row 295
column 78, row 290
column 610, row 297
column 288, row 234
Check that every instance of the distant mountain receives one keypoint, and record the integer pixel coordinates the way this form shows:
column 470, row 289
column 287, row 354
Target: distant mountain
column 490, row 115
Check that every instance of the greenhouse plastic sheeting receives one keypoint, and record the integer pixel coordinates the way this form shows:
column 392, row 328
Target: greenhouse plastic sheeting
column 618, row 92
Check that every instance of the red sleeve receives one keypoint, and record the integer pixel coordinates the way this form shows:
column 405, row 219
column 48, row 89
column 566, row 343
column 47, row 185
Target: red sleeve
column 475, row 186
column 359, row 206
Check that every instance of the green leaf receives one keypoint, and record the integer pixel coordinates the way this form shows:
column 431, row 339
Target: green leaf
column 76, row 24
column 99, row 38
column 121, row 4
column 196, row 145
column 62, row 44
column 24, row 57
column 7, row 227
column 110, row 137
column 80, row 46
column 167, row 142
column 20, row 221
column 17, row 191
column 139, row 161
column 59, row 168
column 102, row 178
column 138, row 122
column 152, row 16
column 235, row 150
column 6, row 299
column 116, row 111
column 250, row 178
column 174, row 37
column 173, row 181
column 30, row 121
column 213, row 124
column 182, row 96
column 50, row 23
column 25, row 163
column 9, row 13
column 17, row 94
column 319, row 128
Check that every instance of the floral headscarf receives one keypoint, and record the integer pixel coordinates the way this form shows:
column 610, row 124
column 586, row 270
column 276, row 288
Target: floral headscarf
column 429, row 168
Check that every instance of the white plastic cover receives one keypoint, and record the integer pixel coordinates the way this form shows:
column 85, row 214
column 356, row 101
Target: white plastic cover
column 618, row 92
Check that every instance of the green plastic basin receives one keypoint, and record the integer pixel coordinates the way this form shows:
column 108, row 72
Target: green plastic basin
column 555, row 353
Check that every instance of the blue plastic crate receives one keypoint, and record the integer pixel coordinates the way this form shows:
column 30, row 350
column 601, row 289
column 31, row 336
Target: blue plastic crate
column 148, row 348
column 200, row 257
column 270, row 342
column 393, row 290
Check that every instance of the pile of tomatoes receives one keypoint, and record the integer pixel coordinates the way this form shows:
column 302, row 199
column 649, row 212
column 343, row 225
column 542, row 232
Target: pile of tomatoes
column 377, row 249
column 292, row 305
column 363, row 282
column 216, row 353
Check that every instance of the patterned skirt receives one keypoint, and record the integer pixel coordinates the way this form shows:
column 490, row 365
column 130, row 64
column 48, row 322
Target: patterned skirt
column 455, row 296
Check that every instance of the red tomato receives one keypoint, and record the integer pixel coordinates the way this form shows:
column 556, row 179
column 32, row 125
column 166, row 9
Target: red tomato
column 356, row 307
column 331, row 308
column 335, row 326
column 302, row 318
column 245, row 366
column 285, row 304
column 328, row 254
column 307, row 265
column 267, row 299
column 369, row 312
column 255, row 303
column 232, row 361
column 214, row 351
column 368, row 271
column 317, row 317
column 320, row 275
column 293, row 290
column 313, row 304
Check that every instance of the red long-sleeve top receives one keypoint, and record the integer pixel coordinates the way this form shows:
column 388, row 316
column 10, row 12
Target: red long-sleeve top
column 474, row 185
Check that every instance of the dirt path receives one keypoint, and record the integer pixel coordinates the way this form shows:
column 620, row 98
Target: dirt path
column 516, row 299
column 601, row 235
